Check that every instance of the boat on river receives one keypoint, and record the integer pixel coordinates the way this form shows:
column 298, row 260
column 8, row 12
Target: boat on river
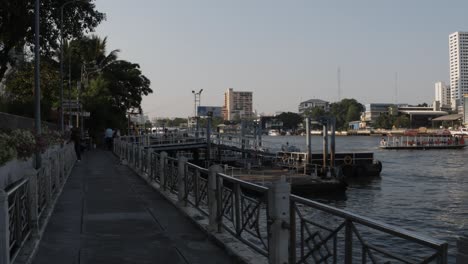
column 274, row 132
column 422, row 142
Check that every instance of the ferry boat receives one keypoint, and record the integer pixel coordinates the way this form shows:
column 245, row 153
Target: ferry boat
column 423, row 142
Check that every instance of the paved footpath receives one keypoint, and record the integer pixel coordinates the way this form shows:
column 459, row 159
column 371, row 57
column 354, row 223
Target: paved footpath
column 107, row 214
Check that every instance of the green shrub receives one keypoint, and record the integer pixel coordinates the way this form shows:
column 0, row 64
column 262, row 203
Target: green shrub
column 24, row 142
column 7, row 150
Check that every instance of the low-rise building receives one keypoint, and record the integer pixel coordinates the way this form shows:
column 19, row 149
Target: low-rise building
column 313, row 103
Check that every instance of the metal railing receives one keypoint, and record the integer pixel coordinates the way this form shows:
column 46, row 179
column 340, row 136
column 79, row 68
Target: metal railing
column 19, row 216
column 318, row 233
column 24, row 203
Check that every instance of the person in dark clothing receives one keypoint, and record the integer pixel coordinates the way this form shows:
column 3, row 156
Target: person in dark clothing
column 76, row 138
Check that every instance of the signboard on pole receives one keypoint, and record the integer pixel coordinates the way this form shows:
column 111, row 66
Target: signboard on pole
column 214, row 111
column 83, row 114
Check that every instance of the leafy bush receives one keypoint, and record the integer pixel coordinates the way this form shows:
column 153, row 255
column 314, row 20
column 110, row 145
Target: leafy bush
column 7, row 151
column 24, row 142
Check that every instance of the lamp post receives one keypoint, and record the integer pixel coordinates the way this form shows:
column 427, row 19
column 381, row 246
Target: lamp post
column 37, row 85
column 197, row 97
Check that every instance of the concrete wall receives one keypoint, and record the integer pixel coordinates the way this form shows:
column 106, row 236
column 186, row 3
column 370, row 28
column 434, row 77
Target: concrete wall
column 8, row 121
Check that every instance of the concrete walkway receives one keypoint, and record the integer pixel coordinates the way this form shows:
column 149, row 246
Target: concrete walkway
column 107, row 214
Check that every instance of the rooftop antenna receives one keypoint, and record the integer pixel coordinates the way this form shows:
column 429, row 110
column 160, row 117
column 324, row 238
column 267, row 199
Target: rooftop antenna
column 396, row 88
column 339, row 82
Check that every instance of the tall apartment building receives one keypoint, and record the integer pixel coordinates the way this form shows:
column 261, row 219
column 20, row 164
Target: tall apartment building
column 442, row 94
column 237, row 105
column 458, row 52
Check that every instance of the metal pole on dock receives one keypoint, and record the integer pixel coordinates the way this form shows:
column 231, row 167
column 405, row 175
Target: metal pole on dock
column 208, row 138
column 243, row 138
column 325, row 144
column 332, row 142
column 308, row 142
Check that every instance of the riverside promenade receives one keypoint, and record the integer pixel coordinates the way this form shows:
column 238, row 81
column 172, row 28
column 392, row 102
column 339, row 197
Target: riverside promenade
column 108, row 214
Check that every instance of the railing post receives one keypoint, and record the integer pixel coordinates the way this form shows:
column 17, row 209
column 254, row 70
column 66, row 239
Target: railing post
column 213, row 225
column 292, row 232
column 349, row 242
column 237, row 207
column 140, row 158
column 462, row 254
column 48, row 181
column 4, row 229
column 162, row 170
column 197, row 189
column 31, row 174
column 181, row 175
column 278, row 214
column 148, row 162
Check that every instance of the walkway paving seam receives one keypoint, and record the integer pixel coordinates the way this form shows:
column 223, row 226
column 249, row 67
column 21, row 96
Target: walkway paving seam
column 103, row 201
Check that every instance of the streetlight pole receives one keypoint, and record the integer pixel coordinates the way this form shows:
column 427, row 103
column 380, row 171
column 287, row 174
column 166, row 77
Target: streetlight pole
column 196, row 95
column 37, row 87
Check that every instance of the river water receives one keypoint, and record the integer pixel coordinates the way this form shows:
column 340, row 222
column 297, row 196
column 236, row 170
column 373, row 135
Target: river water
column 425, row 191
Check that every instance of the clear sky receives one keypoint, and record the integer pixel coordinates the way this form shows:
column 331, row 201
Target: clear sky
column 284, row 51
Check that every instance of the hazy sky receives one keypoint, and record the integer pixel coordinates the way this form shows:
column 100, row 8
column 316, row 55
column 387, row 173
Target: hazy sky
column 285, row 51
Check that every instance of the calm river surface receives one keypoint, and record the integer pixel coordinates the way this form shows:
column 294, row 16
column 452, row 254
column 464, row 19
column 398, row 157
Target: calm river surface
column 425, row 191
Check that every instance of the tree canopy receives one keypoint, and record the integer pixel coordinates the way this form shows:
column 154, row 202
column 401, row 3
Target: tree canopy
column 290, row 120
column 17, row 26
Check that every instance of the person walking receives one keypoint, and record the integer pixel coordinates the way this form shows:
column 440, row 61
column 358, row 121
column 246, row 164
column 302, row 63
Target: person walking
column 76, row 138
column 108, row 135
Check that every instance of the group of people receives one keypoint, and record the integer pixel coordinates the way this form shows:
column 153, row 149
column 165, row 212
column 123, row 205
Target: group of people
column 75, row 136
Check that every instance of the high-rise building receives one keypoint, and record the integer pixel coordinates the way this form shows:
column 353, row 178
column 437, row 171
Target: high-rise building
column 458, row 52
column 442, row 93
column 237, row 105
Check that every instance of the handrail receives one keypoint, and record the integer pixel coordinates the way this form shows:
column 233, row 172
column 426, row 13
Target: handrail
column 400, row 232
column 16, row 186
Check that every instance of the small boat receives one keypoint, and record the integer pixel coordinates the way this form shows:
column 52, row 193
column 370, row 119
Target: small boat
column 435, row 141
column 289, row 148
column 273, row 132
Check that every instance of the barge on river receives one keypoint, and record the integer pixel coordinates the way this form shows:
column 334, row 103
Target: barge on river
column 423, row 142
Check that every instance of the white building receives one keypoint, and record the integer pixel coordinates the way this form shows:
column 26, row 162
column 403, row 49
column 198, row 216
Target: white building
column 442, row 94
column 458, row 52
column 313, row 103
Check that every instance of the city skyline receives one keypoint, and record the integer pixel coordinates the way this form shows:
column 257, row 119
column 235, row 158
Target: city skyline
column 284, row 53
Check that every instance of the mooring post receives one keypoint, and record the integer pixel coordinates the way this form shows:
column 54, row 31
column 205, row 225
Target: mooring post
column 181, row 175
column 308, row 141
column 214, row 214
column 462, row 250
column 278, row 217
